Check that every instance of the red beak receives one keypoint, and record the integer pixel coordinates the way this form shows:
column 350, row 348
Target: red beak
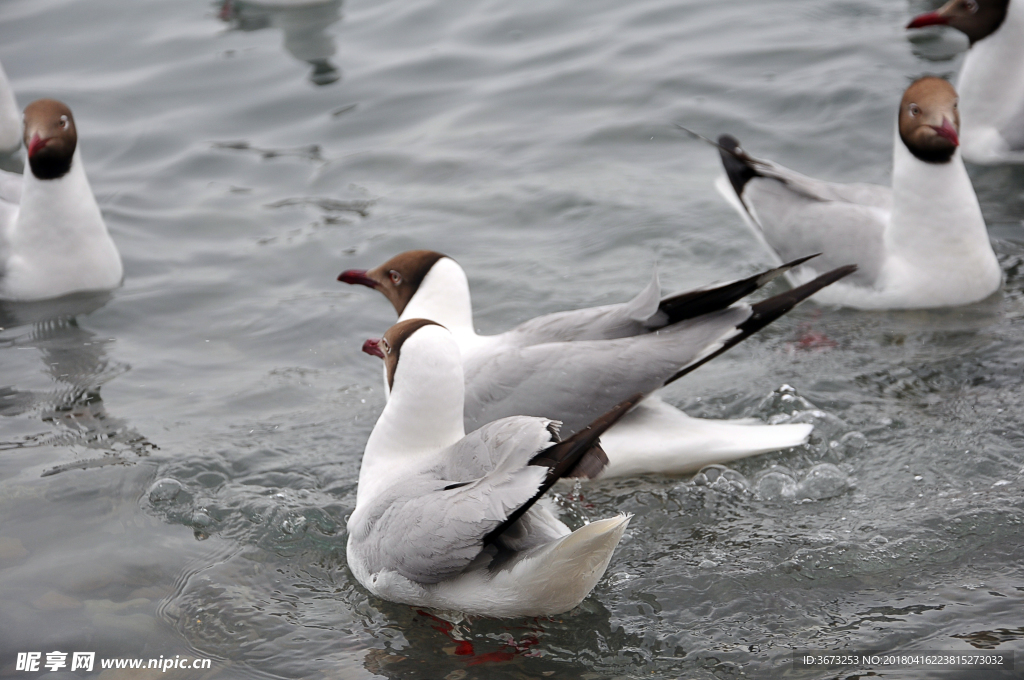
column 372, row 346
column 948, row 131
column 357, row 276
column 929, row 19
column 36, row 145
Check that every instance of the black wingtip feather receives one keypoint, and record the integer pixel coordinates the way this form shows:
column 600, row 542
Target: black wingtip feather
column 580, row 451
column 767, row 311
column 737, row 164
column 698, row 302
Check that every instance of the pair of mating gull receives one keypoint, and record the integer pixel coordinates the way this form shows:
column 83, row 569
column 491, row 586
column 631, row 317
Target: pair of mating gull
column 449, row 520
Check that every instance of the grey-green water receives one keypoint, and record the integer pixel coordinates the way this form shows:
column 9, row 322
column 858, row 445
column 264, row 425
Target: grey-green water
column 177, row 463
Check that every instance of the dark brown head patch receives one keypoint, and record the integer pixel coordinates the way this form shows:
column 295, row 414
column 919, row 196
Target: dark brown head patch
column 977, row 19
column 400, row 277
column 929, row 120
column 50, row 138
column 394, row 338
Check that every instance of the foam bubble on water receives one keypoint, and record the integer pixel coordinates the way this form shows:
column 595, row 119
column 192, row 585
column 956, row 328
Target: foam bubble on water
column 852, row 442
column 822, row 481
column 721, row 478
column 783, row 402
column 201, row 519
column 775, row 484
column 166, row 490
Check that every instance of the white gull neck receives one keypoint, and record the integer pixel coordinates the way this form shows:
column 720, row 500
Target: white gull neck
column 443, row 297
column 937, row 240
column 59, row 244
column 424, row 411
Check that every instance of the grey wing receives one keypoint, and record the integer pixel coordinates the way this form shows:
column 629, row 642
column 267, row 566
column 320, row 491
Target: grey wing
column 798, row 215
column 594, row 323
column 430, row 526
column 578, row 381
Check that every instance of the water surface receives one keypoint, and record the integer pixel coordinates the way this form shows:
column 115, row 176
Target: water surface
column 178, row 459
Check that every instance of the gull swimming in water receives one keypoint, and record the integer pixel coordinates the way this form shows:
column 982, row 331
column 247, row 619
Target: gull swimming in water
column 53, row 240
column 921, row 243
column 575, row 365
column 449, row 520
column 991, row 82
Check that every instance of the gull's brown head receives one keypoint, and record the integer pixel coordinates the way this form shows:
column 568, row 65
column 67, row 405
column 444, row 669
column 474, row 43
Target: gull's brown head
column 50, row 138
column 929, row 120
column 398, row 279
column 389, row 347
column 977, row 19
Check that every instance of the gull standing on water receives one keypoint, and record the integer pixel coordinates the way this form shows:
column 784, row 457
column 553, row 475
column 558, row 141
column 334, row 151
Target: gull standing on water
column 449, row 520
column 575, row 365
column 922, row 243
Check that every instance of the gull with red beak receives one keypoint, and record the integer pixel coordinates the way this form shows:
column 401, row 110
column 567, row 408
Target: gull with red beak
column 574, row 365
column 991, row 82
column 53, row 240
column 450, row 520
column 920, row 244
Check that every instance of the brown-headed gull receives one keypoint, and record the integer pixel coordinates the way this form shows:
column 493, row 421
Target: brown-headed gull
column 575, row 365
column 922, row 243
column 53, row 240
column 449, row 520
column 991, row 82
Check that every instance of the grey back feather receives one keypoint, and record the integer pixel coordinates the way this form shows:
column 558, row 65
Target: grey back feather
column 798, row 215
column 595, row 323
column 576, row 382
column 429, row 533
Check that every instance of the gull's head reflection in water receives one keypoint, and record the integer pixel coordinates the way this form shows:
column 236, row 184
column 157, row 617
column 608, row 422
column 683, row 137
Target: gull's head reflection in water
column 304, row 24
column 66, row 394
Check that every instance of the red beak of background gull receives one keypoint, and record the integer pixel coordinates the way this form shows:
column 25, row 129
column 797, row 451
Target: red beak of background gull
column 372, row 346
column 357, row 276
column 929, row 19
column 948, row 131
column 36, row 145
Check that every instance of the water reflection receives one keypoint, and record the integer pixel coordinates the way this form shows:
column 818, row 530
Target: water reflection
column 76, row 361
column 304, row 24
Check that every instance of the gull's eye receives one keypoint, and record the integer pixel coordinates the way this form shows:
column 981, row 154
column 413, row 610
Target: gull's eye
column 63, row 122
column 971, row 6
column 915, row 110
column 396, row 278
column 385, row 345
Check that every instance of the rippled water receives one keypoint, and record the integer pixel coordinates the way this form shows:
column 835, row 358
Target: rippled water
column 177, row 460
